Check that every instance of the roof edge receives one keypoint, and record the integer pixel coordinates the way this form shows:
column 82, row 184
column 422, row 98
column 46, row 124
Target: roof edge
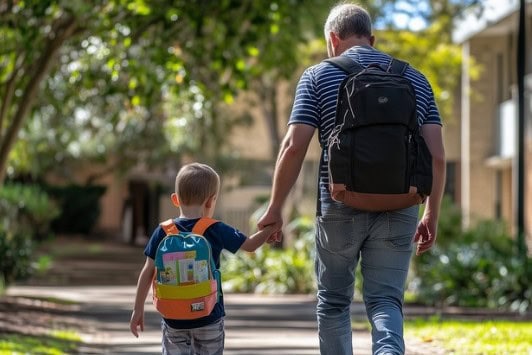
column 476, row 19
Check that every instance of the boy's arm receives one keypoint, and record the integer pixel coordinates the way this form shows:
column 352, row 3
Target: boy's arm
column 256, row 240
column 143, row 287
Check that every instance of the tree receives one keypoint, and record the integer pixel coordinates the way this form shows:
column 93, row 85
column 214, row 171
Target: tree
column 106, row 57
column 297, row 39
column 429, row 11
column 103, row 72
column 439, row 61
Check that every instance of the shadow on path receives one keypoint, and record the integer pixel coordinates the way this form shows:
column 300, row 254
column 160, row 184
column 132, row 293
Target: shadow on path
column 98, row 278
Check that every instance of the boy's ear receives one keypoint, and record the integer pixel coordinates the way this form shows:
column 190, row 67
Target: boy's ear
column 175, row 199
column 210, row 201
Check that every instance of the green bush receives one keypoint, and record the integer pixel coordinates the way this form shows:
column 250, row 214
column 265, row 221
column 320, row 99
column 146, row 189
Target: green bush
column 80, row 207
column 25, row 216
column 272, row 270
column 479, row 267
column 27, row 209
column 15, row 256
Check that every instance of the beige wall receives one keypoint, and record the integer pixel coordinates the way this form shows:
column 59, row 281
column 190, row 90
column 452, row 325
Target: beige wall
column 112, row 201
column 253, row 141
column 492, row 88
column 482, row 115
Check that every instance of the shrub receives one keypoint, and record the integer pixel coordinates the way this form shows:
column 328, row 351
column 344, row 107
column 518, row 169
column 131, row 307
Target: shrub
column 272, row 270
column 15, row 256
column 27, row 209
column 479, row 267
column 25, row 216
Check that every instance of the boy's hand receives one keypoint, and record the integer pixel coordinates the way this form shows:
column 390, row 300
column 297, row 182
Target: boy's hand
column 275, row 234
column 137, row 320
column 275, row 238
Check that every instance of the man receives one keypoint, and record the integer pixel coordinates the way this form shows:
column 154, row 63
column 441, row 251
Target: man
column 383, row 241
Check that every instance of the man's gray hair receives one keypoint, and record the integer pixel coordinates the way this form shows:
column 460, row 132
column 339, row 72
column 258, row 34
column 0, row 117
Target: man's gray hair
column 347, row 20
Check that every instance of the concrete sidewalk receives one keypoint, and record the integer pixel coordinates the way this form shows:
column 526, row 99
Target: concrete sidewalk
column 100, row 276
column 255, row 324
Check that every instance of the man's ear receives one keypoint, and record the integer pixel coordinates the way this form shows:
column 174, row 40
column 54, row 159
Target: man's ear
column 335, row 41
column 175, row 199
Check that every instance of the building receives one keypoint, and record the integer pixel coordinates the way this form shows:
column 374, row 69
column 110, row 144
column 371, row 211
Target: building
column 488, row 121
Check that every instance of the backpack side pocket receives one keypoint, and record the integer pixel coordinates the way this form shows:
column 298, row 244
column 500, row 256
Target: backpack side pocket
column 422, row 173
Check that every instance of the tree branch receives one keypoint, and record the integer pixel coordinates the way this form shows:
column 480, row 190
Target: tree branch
column 64, row 28
column 7, row 97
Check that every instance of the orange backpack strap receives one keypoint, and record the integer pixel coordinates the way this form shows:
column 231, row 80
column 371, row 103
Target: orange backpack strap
column 202, row 224
column 169, row 227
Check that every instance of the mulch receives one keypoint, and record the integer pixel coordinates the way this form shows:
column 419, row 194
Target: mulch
column 35, row 317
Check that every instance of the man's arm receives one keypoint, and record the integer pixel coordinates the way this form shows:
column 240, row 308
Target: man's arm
column 289, row 161
column 428, row 226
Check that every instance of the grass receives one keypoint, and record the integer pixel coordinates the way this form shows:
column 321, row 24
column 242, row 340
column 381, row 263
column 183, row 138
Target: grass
column 456, row 337
column 55, row 343
column 473, row 337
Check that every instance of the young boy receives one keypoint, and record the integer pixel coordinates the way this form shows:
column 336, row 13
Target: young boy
column 196, row 189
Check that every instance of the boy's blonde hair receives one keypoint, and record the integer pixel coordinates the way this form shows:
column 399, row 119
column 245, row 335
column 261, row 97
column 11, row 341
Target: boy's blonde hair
column 195, row 183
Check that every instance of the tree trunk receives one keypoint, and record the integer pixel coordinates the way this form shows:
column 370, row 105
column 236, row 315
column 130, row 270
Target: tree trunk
column 64, row 30
column 268, row 95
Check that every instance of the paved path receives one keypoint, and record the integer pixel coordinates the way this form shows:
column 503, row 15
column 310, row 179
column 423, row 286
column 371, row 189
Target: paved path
column 255, row 324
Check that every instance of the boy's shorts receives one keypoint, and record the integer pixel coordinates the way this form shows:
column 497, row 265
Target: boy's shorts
column 207, row 340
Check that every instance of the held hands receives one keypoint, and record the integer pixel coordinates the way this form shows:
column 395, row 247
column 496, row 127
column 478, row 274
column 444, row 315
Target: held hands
column 275, row 235
column 275, row 238
column 425, row 236
column 272, row 219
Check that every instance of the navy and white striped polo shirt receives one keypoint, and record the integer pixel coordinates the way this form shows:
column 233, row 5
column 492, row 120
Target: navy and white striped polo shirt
column 317, row 91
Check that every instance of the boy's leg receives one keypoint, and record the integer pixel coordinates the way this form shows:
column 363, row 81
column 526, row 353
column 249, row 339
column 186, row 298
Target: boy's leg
column 209, row 340
column 176, row 341
column 385, row 258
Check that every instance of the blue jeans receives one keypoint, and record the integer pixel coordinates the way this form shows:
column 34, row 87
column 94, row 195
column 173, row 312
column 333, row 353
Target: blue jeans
column 207, row 340
column 384, row 244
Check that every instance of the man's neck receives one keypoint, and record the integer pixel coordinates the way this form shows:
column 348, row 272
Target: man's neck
column 353, row 42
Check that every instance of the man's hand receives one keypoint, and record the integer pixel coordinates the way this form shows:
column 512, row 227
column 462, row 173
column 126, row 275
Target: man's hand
column 425, row 236
column 275, row 219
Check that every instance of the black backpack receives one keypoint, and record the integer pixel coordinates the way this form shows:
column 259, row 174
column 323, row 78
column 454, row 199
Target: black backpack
column 378, row 160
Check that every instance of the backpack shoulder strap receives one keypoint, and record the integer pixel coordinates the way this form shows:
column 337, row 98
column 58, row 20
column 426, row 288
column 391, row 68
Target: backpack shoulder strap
column 397, row 66
column 169, row 227
column 202, row 225
column 345, row 63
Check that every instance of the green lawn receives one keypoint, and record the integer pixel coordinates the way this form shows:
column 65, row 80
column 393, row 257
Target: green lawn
column 474, row 337
column 55, row 343
column 468, row 337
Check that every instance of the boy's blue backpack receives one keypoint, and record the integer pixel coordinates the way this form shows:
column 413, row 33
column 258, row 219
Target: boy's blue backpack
column 187, row 284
